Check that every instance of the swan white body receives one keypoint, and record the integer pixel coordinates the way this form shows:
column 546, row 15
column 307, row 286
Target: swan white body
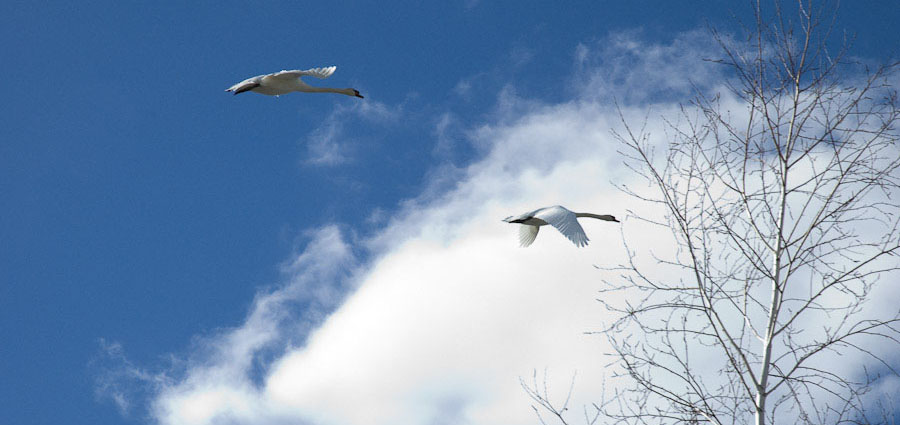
column 283, row 82
column 562, row 219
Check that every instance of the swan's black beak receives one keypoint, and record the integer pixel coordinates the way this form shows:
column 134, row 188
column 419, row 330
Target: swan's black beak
column 356, row 93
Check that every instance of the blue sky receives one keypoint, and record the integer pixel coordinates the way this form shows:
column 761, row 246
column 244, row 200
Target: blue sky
column 146, row 209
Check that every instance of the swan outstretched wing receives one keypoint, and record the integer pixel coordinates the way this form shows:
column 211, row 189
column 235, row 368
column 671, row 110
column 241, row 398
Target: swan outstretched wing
column 564, row 221
column 324, row 72
column 527, row 234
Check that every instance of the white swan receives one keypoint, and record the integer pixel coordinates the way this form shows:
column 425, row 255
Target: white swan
column 283, row 82
column 562, row 219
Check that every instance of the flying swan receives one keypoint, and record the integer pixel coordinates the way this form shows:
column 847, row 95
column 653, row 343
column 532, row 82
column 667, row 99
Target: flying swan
column 283, row 82
column 562, row 219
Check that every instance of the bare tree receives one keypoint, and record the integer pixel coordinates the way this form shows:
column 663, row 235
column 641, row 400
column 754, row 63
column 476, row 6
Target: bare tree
column 781, row 194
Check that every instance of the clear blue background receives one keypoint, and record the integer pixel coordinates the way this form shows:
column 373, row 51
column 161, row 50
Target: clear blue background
column 144, row 205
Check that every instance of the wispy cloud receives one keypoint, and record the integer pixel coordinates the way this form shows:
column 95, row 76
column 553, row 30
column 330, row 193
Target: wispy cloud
column 325, row 144
column 121, row 381
column 463, row 88
column 623, row 67
column 521, row 56
column 447, row 133
column 329, row 143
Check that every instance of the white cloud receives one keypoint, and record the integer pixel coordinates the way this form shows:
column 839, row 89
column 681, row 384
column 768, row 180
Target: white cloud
column 219, row 383
column 120, row 380
column 447, row 133
column 329, row 145
column 463, row 88
column 450, row 313
column 634, row 72
column 455, row 314
column 521, row 56
column 324, row 145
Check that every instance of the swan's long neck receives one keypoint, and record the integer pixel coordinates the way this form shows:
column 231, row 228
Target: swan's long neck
column 348, row 92
column 605, row 217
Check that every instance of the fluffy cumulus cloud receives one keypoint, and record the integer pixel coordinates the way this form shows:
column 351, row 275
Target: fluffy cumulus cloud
column 449, row 313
